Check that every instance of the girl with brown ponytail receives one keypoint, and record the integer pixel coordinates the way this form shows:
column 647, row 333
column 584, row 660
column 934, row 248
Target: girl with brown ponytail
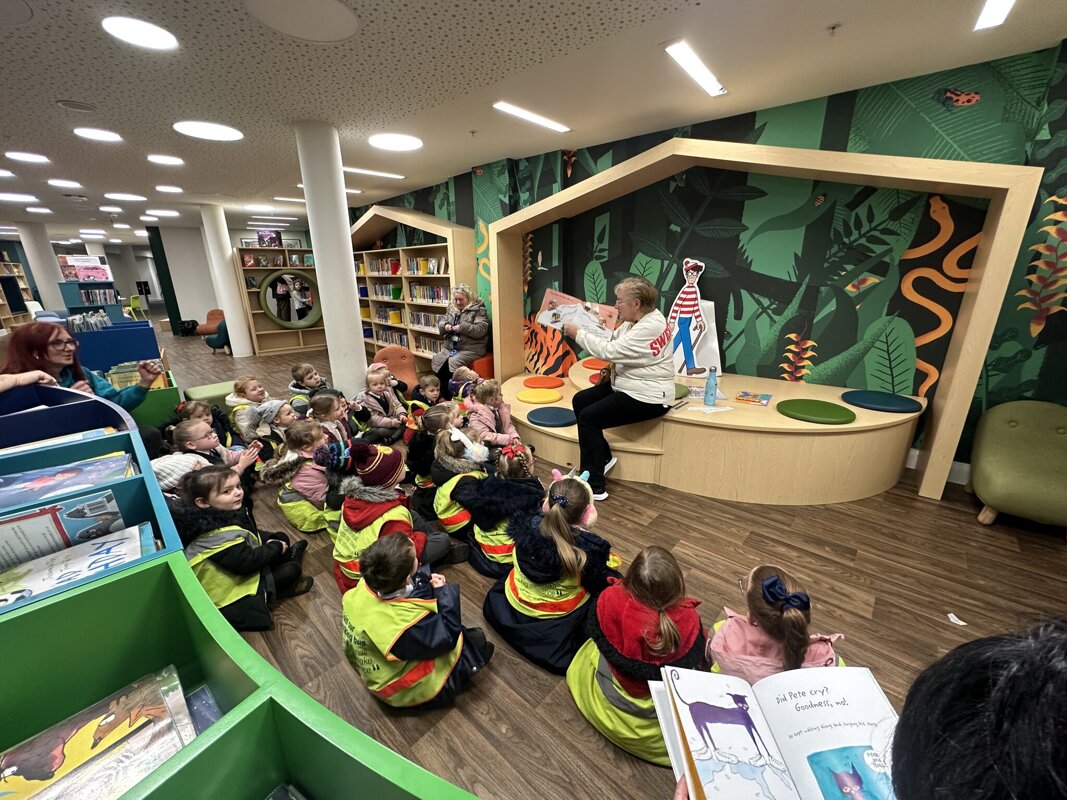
column 641, row 624
column 540, row 606
column 774, row 635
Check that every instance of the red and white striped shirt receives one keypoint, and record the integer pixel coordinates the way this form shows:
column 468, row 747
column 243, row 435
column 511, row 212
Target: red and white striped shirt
column 687, row 304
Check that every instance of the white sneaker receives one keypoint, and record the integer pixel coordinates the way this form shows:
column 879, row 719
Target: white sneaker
column 610, row 464
column 600, row 495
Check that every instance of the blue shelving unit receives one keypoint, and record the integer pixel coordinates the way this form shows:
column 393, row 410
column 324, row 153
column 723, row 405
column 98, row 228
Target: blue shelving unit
column 75, row 303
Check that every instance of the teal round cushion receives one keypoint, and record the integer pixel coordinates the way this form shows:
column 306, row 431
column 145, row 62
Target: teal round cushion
column 551, row 417
column 882, row 401
column 818, row 411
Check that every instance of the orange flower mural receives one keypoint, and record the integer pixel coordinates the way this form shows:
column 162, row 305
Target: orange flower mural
column 1050, row 272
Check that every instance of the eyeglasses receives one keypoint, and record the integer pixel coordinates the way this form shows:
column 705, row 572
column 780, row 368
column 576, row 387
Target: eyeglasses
column 64, row 344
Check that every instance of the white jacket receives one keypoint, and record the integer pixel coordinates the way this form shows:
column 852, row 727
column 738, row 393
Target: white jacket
column 642, row 355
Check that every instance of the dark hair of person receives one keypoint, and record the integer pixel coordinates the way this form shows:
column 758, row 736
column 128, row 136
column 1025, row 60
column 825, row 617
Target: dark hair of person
column 787, row 625
column 27, row 349
column 386, row 564
column 655, row 580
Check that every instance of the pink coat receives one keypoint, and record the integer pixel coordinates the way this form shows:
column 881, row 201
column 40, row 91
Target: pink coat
column 310, row 481
column 482, row 420
column 742, row 649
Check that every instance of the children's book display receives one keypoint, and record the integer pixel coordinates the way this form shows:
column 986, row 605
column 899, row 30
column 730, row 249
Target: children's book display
column 30, row 534
column 805, row 734
column 84, row 268
column 753, row 398
column 92, row 321
column 557, row 309
column 103, row 751
column 20, row 488
column 68, row 438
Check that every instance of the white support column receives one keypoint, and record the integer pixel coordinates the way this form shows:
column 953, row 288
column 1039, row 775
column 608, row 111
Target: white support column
column 319, row 150
column 43, row 263
column 95, row 249
column 224, row 279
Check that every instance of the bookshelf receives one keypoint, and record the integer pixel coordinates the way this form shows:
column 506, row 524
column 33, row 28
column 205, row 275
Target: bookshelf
column 83, row 296
column 404, row 290
column 76, row 644
column 268, row 337
column 13, row 286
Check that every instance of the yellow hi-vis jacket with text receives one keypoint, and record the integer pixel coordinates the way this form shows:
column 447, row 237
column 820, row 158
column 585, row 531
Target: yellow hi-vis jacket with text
column 222, row 586
column 452, row 515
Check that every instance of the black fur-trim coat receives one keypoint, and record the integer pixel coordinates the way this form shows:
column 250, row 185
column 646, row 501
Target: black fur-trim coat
column 538, row 557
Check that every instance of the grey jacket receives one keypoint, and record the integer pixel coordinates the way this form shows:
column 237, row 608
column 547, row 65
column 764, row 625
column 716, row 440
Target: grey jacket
column 473, row 323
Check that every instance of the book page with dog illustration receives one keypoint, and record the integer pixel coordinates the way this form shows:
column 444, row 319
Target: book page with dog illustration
column 811, row 734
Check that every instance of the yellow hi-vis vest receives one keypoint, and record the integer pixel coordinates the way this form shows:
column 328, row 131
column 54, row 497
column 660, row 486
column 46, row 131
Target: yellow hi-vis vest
column 350, row 544
column 423, row 482
column 302, row 514
column 555, row 599
column 370, row 628
column 222, row 586
column 627, row 721
column 452, row 515
column 495, row 542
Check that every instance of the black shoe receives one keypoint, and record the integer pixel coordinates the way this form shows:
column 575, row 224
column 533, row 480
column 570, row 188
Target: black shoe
column 476, row 638
column 296, row 551
column 302, row 586
column 457, row 553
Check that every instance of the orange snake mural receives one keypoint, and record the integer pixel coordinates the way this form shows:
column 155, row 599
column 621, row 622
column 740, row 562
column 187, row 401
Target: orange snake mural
column 939, row 213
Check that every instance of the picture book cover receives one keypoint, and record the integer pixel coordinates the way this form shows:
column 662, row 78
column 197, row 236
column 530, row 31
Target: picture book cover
column 33, row 578
column 269, row 238
column 808, row 734
column 98, row 272
column 309, row 259
column 65, row 439
column 103, row 751
column 294, row 260
column 38, row 485
column 248, row 260
column 38, row 532
column 753, row 398
column 558, row 309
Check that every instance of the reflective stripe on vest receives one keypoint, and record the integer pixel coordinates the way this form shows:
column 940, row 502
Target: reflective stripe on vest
column 303, row 514
column 452, row 515
column 423, row 481
column 643, row 707
column 370, row 628
column 495, row 542
column 553, row 599
column 222, row 586
column 350, row 544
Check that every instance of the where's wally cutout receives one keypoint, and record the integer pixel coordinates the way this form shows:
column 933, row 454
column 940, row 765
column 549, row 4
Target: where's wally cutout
column 692, row 323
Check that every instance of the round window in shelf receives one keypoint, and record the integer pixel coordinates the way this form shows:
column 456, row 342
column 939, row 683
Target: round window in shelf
column 290, row 297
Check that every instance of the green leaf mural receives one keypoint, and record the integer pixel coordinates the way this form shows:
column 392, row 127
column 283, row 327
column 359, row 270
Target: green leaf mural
column 596, row 286
column 675, row 211
column 890, row 363
column 647, row 268
column 836, row 371
column 743, row 193
column 650, row 247
column 720, row 228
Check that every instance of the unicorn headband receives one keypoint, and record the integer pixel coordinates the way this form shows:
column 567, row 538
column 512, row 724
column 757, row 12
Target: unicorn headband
column 474, row 452
column 557, row 476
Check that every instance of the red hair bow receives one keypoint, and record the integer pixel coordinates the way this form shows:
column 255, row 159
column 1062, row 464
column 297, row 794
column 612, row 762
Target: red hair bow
column 512, row 450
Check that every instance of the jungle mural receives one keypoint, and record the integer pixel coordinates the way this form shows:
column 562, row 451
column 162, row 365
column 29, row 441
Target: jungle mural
column 820, row 282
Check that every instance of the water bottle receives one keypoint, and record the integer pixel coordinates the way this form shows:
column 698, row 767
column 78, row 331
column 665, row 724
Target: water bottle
column 711, row 388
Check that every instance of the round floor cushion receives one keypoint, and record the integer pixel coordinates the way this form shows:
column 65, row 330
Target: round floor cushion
column 594, row 363
column 882, row 401
column 819, row 411
column 542, row 382
column 594, row 378
column 551, row 417
column 538, row 396
column 680, row 391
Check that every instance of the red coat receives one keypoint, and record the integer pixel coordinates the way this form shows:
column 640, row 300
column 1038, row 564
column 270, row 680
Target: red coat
column 359, row 513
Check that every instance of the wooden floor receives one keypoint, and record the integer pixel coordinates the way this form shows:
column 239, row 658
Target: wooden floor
column 886, row 572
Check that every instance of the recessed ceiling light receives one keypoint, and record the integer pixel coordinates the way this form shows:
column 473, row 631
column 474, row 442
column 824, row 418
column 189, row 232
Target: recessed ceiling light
column 259, row 207
column 115, row 241
column 260, row 216
column 140, row 233
column 93, row 236
column 111, row 209
column 121, row 225
column 6, row 228
column 39, row 210
column 63, row 184
column 15, row 197
column 374, row 172
column 74, row 241
column 6, row 173
column 993, row 13
column 29, row 158
column 288, row 200
column 140, row 33
column 169, row 189
column 97, row 134
column 530, row 116
column 132, row 198
column 162, row 212
column 309, row 20
column 353, row 191
column 149, row 218
column 169, row 161
column 208, row 130
column 394, row 141
column 91, row 230
column 698, row 71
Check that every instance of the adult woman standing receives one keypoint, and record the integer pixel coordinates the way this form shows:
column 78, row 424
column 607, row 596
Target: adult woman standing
column 642, row 376
column 49, row 348
column 466, row 329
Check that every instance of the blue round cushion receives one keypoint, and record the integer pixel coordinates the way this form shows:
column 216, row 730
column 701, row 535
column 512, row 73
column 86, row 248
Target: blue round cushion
column 551, row 417
column 882, row 401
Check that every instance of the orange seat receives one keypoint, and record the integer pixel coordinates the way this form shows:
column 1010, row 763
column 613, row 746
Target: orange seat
column 542, row 382
column 594, row 363
column 401, row 363
column 484, row 366
column 211, row 325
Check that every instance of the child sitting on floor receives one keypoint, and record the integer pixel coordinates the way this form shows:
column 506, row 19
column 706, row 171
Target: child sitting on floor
column 302, row 496
column 305, row 384
column 331, row 412
column 462, row 383
column 204, row 411
column 373, row 508
column 428, row 392
column 243, row 572
column 540, row 608
column 278, row 416
column 169, row 471
column 402, row 631
column 248, row 393
column 490, row 417
column 457, row 460
column 387, row 413
column 774, row 635
column 641, row 624
column 198, row 437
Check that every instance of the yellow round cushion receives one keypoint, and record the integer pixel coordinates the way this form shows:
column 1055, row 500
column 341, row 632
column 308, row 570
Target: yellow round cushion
column 538, row 396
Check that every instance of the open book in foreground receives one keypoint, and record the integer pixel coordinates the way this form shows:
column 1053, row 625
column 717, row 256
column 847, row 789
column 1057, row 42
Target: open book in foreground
column 805, row 734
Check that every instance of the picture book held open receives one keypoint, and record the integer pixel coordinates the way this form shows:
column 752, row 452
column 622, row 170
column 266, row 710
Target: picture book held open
column 806, row 734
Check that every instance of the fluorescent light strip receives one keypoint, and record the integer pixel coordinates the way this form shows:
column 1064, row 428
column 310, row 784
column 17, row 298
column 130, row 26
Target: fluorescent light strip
column 375, row 173
column 530, row 116
column 993, row 14
column 289, row 200
column 267, row 225
column 698, row 71
column 261, row 216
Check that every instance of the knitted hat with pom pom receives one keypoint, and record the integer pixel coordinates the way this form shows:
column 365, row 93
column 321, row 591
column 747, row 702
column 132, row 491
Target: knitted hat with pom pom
column 375, row 465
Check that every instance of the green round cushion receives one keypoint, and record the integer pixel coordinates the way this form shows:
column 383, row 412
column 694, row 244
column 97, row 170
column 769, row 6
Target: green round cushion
column 882, row 401
column 551, row 417
column 680, row 391
column 819, row 411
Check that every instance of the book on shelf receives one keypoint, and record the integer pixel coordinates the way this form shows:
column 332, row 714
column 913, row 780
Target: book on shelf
column 425, row 319
column 32, row 578
column 427, row 266
column 269, row 238
column 294, row 260
column 428, row 293
column 99, row 296
column 248, row 260
column 753, row 398
column 36, row 532
column 279, row 261
column 84, row 268
column 22, row 488
column 67, row 438
column 803, row 734
column 250, row 282
column 102, row 751
column 92, row 321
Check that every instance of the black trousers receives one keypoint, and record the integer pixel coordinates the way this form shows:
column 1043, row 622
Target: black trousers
column 602, row 407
